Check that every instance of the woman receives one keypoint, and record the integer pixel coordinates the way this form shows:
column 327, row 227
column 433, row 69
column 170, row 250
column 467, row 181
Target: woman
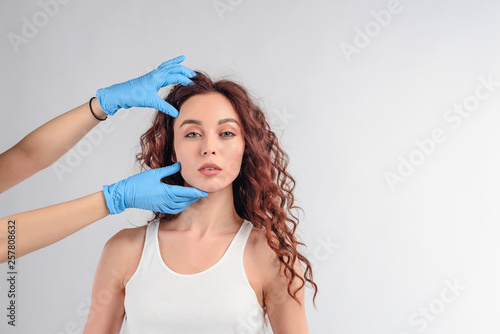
column 229, row 259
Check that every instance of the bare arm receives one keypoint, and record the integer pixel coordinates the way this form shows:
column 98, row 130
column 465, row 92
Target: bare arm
column 285, row 313
column 45, row 145
column 42, row 227
column 120, row 255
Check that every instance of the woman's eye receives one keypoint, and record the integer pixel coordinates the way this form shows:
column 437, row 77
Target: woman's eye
column 195, row 134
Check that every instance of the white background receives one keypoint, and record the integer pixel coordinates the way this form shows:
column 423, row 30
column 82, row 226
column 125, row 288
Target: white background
column 382, row 255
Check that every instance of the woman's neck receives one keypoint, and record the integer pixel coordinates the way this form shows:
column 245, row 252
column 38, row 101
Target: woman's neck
column 214, row 214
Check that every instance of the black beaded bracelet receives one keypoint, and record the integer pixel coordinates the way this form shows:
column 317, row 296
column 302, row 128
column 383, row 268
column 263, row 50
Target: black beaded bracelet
column 92, row 111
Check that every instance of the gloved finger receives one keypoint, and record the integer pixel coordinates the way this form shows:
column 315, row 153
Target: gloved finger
column 188, row 203
column 180, row 208
column 162, row 172
column 175, row 60
column 177, row 78
column 174, row 211
column 183, row 204
column 160, row 104
column 178, row 201
column 174, row 199
column 179, row 69
column 187, row 192
column 172, row 204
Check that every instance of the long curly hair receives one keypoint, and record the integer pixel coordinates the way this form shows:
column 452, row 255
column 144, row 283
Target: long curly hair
column 263, row 191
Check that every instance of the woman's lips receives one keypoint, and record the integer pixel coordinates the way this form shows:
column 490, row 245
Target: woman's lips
column 210, row 172
column 209, row 165
column 213, row 169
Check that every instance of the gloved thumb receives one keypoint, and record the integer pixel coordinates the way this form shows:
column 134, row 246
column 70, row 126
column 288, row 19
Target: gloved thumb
column 167, row 170
column 162, row 105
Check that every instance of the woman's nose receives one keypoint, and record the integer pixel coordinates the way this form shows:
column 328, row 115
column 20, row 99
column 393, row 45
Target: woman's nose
column 209, row 146
column 208, row 151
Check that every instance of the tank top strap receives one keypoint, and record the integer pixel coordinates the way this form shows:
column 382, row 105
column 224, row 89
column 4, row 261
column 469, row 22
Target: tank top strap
column 149, row 251
column 235, row 252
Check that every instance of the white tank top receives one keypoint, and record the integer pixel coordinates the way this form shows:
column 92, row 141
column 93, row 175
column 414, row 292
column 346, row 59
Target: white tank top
column 217, row 300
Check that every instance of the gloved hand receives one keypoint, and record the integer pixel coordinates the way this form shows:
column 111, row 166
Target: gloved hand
column 143, row 91
column 146, row 191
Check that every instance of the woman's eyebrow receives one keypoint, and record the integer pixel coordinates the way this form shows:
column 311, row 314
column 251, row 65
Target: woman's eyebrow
column 190, row 121
column 225, row 120
column 221, row 121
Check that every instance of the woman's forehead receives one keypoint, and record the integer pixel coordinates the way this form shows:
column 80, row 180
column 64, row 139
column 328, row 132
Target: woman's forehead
column 207, row 109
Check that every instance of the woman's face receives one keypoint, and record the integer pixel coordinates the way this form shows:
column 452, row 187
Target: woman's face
column 208, row 130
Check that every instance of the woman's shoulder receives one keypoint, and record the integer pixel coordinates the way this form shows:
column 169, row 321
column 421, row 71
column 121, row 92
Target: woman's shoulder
column 260, row 250
column 125, row 244
column 127, row 238
column 257, row 240
column 124, row 249
column 269, row 262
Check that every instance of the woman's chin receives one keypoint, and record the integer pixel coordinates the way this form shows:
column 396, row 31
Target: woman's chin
column 208, row 185
column 209, row 188
column 205, row 186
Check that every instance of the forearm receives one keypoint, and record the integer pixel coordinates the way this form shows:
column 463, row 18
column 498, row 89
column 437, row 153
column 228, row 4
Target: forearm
column 45, row 145
column 49, row 142
column 42, row 227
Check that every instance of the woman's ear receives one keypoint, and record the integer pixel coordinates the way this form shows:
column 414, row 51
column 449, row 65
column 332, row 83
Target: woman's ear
column 173, row 157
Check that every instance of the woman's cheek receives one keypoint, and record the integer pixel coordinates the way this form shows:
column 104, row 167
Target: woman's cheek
column 186, row 179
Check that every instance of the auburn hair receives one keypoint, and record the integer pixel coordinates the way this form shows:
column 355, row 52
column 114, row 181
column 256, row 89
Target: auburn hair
column 263, row 191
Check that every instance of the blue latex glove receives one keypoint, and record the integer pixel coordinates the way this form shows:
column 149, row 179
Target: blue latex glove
column 143, row 91
column 146, row 191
